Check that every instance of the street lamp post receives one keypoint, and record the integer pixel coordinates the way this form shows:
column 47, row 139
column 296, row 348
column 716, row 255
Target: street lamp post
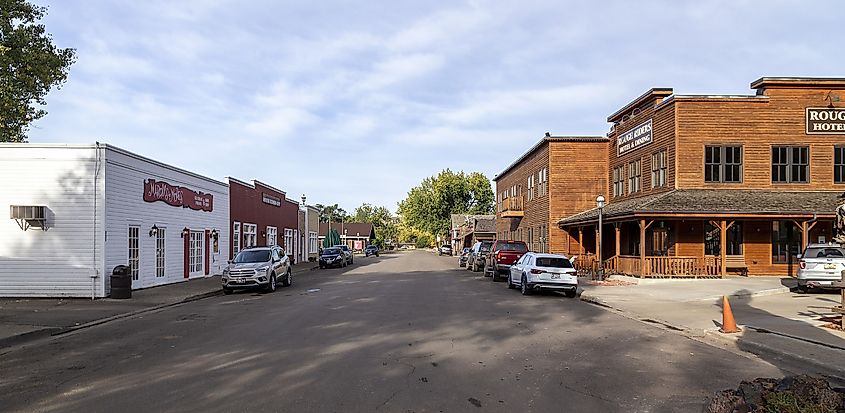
column 600, row 205
column 307, row 235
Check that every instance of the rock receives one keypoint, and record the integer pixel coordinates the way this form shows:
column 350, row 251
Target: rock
column 803, row 392
column 726, row 401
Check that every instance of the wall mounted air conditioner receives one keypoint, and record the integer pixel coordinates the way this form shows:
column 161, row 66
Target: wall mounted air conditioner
column 29, row 216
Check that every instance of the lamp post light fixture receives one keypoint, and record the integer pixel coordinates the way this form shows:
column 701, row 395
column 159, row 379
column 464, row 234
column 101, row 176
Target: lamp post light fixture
column 307, row 234
column 600, row 204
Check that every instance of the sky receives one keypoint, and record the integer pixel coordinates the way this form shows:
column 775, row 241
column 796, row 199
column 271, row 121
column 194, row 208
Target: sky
column 353, row 102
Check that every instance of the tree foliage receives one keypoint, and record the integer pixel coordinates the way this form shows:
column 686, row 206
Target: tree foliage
column 29, row 66
column 429, row 206
column 332, row 213
column 382, row 219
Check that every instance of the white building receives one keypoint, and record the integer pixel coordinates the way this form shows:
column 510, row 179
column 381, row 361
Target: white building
column 77, row 211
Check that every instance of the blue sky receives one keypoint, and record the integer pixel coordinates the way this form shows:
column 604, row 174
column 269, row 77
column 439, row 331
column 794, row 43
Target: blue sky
column 352, row 102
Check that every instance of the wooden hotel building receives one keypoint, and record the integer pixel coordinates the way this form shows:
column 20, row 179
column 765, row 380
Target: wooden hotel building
column 711, row 185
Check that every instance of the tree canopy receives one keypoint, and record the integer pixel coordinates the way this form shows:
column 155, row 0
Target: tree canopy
column 29, row 66
column 382, row 219
column 429, row 206
column 332, row 213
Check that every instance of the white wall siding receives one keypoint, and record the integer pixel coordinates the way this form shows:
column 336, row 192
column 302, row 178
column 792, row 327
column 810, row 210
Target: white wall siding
column 60, row 261
column 126, row 174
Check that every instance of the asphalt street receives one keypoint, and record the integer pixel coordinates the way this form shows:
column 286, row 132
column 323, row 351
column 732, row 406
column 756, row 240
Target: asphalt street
column 407, row 332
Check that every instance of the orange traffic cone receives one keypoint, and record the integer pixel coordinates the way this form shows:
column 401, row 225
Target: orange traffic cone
column 728, row 322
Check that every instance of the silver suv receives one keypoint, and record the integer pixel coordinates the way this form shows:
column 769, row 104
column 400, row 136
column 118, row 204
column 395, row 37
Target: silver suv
column 260, row 267
column 820, row 266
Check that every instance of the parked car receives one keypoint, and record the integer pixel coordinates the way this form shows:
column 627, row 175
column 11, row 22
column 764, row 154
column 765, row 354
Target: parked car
column 257, row 267
column 820, row 265
column 445, row 249
column 535, row 271
column 371, row 250
column 348, row 252
column 502, row 255
column 462, row 258
column 477, row 255
column 333, row 257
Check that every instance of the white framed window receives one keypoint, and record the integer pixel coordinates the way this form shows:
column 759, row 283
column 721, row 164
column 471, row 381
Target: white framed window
column 236, row 238
column 312, row 242
column 288, row 240
column 160, row 251
column 531, row 187
column 250, row 235
column 134, row 251
column 195, row 259
column 543, row 182
column 272, row 236
column 295, row 242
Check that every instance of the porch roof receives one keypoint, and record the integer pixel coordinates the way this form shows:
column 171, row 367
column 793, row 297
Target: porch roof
column 716, row 202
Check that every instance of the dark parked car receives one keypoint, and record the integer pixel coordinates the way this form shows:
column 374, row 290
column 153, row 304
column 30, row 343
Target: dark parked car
column 332, row 257
column 462, row 259
column 502, row 255
column 348, row 252
column 371, row 250
column 477, row 255
column 445, row 249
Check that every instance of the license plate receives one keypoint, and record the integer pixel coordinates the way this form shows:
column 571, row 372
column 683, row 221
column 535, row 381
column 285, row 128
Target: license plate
column 830, row 266
column 825, row 282
column 238, row 281
column 555, row 276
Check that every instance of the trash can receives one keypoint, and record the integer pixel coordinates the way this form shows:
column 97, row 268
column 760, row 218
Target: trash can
column 121, row 282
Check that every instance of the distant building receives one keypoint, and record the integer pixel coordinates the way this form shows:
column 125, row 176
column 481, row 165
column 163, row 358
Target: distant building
column 356, row 235
column 466, row 230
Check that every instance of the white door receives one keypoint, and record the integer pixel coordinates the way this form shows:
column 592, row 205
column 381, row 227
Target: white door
column 196, row 260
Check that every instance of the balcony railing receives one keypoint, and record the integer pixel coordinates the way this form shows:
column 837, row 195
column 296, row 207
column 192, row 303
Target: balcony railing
column 674, row 267
column 513, row 207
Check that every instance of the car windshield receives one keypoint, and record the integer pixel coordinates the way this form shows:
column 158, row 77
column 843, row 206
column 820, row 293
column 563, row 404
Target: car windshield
column 331, row 251
column 553, row 262
column 825, row 252
column 343, row 247
column 518, row 247
column 252, row 256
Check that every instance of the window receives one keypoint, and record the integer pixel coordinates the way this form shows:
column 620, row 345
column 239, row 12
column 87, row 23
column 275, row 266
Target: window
column 713, row 243
column 195, row 259
column 723, row 164
column 790, row 164
column 658, row 169
column 236, row 238
column 531, row 187
column 634, row 171
column 618, row 181
column 543, row 179
column 250, row 237
column 272, row 236
column 839, row 164
column 542, row 240
column 786, row 242
column 312, row 242
column 531, row 238
column 134, row 251
column 288, row 239
column 160, row 251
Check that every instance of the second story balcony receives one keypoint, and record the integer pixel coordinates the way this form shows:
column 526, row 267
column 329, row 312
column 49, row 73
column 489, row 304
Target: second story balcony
column 513, row 207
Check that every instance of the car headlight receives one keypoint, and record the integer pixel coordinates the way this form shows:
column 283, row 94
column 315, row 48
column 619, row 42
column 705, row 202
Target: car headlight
column 226, row 271
column 262, row 269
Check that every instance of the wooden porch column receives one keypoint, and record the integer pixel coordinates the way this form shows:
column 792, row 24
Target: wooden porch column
column 642, row 247
column 723, row 246
column 580, row 241
column 618, row 240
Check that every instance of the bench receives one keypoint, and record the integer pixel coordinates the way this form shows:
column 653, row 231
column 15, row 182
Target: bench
column 736, row 262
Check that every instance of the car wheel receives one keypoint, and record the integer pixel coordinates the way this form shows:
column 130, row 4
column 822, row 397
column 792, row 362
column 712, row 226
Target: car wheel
column 271, row 284
column 570, row 293
column 524, row 286
column 227, row 291
column 322, row 266
column 803, row 289
column 288, row 279
column 495, row 275
column 510, row 283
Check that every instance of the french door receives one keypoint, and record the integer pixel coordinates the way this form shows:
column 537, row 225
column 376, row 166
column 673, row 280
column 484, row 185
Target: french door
column 196, row 259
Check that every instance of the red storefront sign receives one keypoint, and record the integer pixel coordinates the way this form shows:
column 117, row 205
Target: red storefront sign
column 177, row 196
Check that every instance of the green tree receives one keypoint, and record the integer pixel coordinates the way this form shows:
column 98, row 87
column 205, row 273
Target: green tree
column 332, row 213
column 429, row 206
column 29, row 66
column 382, row 219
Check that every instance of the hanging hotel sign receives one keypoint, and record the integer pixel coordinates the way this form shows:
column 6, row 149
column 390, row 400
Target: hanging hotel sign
column 271, row 200
column 177, row 196
column 635, row 138
column 825, row 121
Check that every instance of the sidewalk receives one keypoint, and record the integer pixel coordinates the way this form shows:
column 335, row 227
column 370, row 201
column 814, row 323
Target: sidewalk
column 774, row 320
column 25, row 319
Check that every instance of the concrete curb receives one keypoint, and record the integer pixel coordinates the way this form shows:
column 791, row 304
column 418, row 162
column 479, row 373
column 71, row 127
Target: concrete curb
column 761, row 293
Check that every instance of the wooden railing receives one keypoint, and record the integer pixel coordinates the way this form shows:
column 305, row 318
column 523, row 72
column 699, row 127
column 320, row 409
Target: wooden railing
column 514, row 203
column 658, row 266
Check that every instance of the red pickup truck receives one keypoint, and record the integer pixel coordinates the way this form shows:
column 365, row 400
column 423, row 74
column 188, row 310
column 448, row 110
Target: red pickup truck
column 502, row 255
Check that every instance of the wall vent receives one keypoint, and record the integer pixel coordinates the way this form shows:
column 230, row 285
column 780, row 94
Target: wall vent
column 28, row 216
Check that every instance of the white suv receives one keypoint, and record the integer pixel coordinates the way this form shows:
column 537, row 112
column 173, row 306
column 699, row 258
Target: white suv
column 257, row 267
column 820, row 266
column 535, row 271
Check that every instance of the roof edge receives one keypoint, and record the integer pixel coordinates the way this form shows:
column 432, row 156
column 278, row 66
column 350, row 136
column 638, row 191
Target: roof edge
column 651, row 93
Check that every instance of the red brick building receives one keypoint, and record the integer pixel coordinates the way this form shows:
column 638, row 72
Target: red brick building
column 261, row 215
